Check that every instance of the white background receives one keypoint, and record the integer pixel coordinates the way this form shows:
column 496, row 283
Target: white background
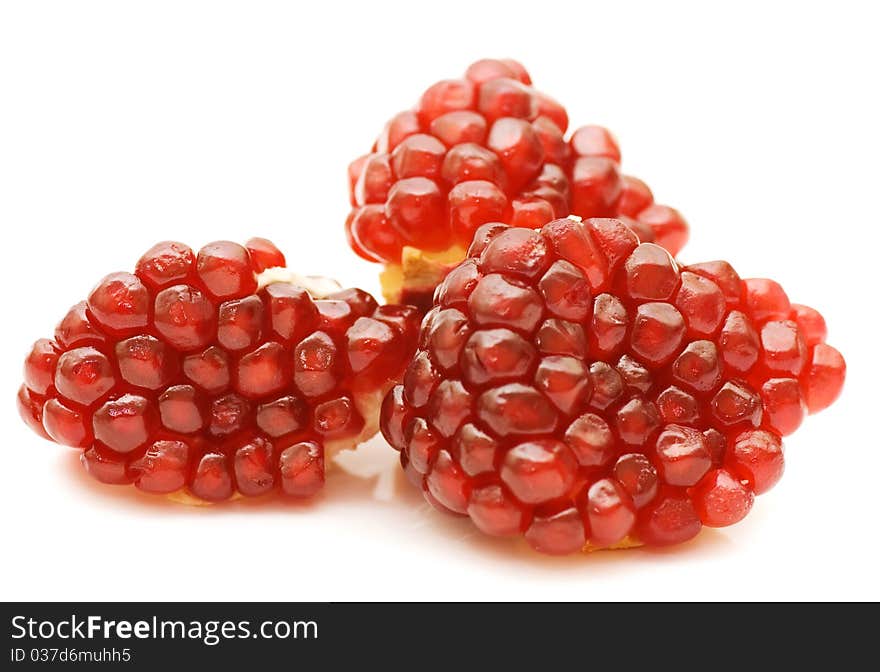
column 125, row 123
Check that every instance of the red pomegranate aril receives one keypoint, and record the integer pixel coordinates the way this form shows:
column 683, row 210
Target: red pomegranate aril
column 495, row 512
column 39, row 367
column 164, row 264
column 810, row 323
column 185, row 317
column 400, row 126
column 503, row 97
column 263, row 371
column 290, row 309
column 610, row 511
column 668, row 226
column 84, row 375
column 302, row 469
column 590, row 393
column 766, row 300
column 721, row 499
column 446, row 96
column 164, row 467
column 225, row 270
column 240, row 323
column 415, row 208
column 670, row 519
column 181, row 409
column 487, row 69
column 557, row 533
column 460, row 126
column 375, row 180
column 75, row 329
column 120, row 303
column 595, row 141
column 282, row 416
column 209, row 370
column 264, row 254
column 125, row 424
column 638, row 477
column 824, row 378
column 253, row 465
column 337, row 417
column 30, row 410
column 228, row 414
column 519, row 148
column 145, row 361
column 470, row 161
column 105, row 466
column 472, row 204
column 757, row 455
column 635, row 197
column 418, row 155
column 212, row 480
column 595, row 187
column 65, row 425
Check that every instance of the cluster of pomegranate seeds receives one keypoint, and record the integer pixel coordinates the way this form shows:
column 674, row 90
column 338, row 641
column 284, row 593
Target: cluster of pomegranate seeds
column 485, row 148
column 582, row 389
column 215, row 373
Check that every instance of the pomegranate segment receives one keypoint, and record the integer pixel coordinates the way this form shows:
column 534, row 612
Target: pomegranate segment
column 485, row 148
column 583, row 390
column 207, row 374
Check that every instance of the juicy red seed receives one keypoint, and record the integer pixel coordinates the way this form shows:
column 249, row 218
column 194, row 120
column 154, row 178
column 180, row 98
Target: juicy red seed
column 495, row 512
column 212, row 480
column 683, row 455
column 282, row 416
column 315, row 362
column 30, row 409
column 587, row 390
column 254, row 468
column 721, row 499
column 824, row 377
column 65, row 425
column 125, row 424
column 595, row 141
column 487, row 69
column 240, row 323
column 461, row 126
column 757, row 455
column 164, row 467
column 538, row 471
column 120, row 303
column 225, row 269
column 264, row 254
column 558, row 533
column 291, row 310
column 418, row 155
column 638, row 477
column 302, row 469
column 611, row 512
column 446, row 96
column 209, row 370
column 470, row 161
column 473, row 204
column 596, row 187
column 105, row 466
column 181, row 409
column 766, row 300
column 810, row 323
column 416, row 209
column 670, row 519
column 519, row 148
column 164, row 264
column 145, row 361
column 76, row 329
column 228, row 414
column 503, row 97
column 635, row 197
column 185, row 317
column 337, row 417
column 448, row 484
column 590, row 439
column 374, row 181
column 263, row 371
column 401, row 126
column 84, row 375
column 667, row 225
